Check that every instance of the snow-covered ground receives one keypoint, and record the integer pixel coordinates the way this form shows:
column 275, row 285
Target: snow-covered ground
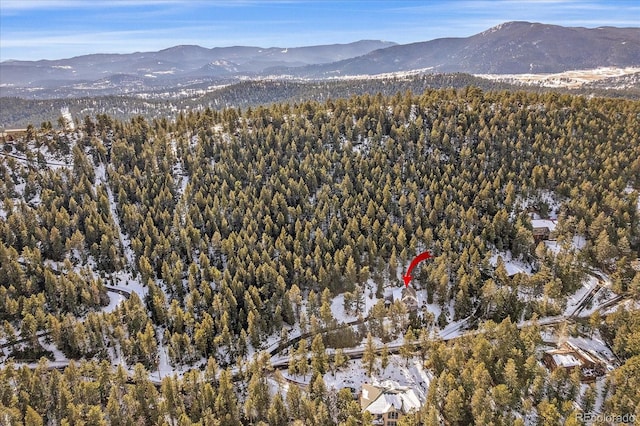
column 337, row 309
column 68, row 118
column 409, row 373
column 115, row 299
column 553, row 246
column 569, row 79
column 573, row 301
column 578, row 242
column 627, row 304
column 513, row 266
column 453, row 330
column 530, row 203
column 123, row 279
column 370, row 300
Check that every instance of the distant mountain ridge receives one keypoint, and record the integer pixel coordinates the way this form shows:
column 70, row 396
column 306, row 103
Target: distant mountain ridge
column 178, row 62
column 509, row 48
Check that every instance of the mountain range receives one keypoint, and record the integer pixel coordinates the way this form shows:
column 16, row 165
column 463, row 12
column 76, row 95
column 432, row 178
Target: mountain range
column 509, row 48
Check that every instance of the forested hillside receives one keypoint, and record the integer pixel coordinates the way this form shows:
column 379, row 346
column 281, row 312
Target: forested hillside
column 229, row 229
column 18, row 112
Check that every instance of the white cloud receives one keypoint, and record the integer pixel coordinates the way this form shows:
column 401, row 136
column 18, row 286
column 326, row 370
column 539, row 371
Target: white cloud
column 80, row 4
column 17, row 5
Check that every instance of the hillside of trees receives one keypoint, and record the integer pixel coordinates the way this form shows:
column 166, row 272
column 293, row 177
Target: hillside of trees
column 18, row 112
column 230, row 219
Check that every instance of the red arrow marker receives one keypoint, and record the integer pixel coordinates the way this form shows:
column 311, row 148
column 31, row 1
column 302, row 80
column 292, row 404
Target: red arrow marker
column 419, row 258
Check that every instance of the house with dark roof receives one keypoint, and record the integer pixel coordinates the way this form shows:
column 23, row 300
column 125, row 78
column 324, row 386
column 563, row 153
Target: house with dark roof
column 570, row 355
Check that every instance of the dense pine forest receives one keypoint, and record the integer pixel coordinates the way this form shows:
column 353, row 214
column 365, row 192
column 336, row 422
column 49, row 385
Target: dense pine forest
column 18, row 112
column 227, row 231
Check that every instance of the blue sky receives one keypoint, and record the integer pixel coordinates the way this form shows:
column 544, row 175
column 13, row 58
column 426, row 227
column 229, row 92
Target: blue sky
column 53, row 29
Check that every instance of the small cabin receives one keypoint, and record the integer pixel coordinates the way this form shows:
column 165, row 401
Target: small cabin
column 408, row 296
column 570, row 356
column 543, row 229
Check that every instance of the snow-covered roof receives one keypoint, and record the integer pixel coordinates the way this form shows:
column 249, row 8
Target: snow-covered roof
column 405, row 294
column 566, row 360
column 544, row 223
column 395, row 398
column 594, row 347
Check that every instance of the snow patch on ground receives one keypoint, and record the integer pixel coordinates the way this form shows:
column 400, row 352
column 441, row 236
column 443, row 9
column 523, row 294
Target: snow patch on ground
column 409, row 373
column 553, row 246
column 452, row 330
column 530, row 203
column 337, row 309
column 579, row 242
column 573, row 301
column 512, row 266
column 115, row 299
column 124, row 279
column 630, row 190
column 101, row 174
column 58, row 356
column 569, row 79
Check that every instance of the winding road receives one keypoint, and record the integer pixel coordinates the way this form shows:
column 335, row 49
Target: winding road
column 455, row 331
column 280, row 362
column 122, row 292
